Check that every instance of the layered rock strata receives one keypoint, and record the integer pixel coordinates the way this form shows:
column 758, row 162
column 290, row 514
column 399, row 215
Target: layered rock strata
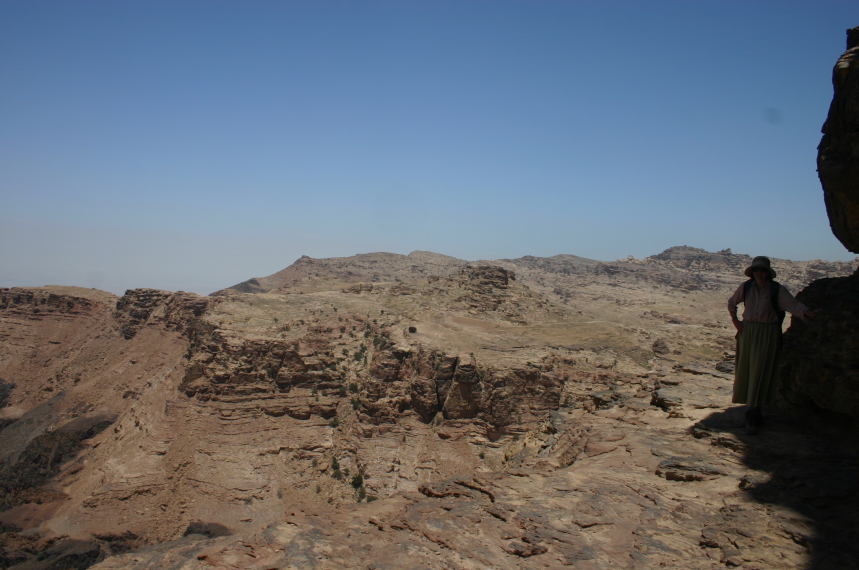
column 156, row 416
column 679, row 487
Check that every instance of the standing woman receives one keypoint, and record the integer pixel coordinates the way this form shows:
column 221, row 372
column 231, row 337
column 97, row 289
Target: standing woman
column 759, row 337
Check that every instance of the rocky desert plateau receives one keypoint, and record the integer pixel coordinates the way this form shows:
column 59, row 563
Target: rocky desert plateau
column 411, row 411
column 407, row 412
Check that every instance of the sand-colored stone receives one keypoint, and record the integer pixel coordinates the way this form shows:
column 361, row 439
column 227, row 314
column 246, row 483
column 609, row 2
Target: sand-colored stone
column 131, row 421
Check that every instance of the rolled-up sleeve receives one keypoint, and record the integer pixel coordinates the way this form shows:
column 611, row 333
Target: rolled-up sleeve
column 735, row 300
column 788, row 302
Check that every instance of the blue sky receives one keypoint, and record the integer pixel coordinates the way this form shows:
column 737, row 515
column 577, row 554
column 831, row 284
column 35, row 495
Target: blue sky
column 194, row 144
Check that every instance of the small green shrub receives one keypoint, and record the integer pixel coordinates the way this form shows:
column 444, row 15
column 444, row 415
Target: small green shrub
column 333, row 422
column 357, row 480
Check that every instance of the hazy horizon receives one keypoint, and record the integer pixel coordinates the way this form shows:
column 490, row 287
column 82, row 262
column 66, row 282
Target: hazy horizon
column 190, row 146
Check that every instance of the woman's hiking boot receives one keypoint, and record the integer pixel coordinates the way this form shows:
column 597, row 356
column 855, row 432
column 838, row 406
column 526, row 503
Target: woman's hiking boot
column 759, row 416
column 752, row 422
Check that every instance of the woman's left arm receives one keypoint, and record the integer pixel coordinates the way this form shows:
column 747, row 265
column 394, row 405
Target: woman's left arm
column 789, row 303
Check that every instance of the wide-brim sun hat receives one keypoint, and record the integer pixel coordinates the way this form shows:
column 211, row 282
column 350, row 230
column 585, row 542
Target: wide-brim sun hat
column 760, row 261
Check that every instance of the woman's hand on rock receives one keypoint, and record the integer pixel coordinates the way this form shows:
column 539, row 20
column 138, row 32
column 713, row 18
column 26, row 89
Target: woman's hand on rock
column 810, row 314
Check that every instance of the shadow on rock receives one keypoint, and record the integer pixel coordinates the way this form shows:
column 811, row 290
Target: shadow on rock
column 804, row 473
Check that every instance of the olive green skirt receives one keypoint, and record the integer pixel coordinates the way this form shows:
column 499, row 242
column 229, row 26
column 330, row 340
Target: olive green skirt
column 755, row 371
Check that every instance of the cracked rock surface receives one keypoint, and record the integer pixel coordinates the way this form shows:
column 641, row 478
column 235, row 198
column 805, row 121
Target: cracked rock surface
column 451, row 416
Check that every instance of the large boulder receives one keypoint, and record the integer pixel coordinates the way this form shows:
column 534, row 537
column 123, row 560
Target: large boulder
column 820, row 359
column 819, row 365
column 838, row 152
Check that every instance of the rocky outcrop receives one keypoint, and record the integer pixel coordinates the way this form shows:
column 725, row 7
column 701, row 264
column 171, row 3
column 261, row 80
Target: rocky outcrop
column 427, row 389
column 70, row 380
column 222, row 412
column 308, row 272
column 691, row 268
column 288, row 378
column 140, row 306
column 820, row 361
column 647, row 489
column 838, row 152
column 680, row 268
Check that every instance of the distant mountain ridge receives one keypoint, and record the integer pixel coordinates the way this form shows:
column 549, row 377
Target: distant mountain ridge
column 682, row 267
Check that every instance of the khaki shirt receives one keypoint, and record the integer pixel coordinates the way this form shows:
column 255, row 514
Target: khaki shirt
column 758, row 306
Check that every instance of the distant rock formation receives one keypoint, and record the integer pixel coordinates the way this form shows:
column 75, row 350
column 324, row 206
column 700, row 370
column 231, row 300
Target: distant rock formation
column 838, row 152
column 680, row 268
column 366, row 267
column 820, row 363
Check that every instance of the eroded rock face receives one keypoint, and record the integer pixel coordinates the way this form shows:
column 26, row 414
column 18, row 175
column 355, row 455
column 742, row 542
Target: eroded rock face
column 648, row 489
column 142, row 418
column 492, row 417
column 838, row 152
column 139, row 306
column 820, row 361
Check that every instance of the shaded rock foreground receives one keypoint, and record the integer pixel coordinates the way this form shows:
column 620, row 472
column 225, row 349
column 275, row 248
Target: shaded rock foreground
column 821, row 360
